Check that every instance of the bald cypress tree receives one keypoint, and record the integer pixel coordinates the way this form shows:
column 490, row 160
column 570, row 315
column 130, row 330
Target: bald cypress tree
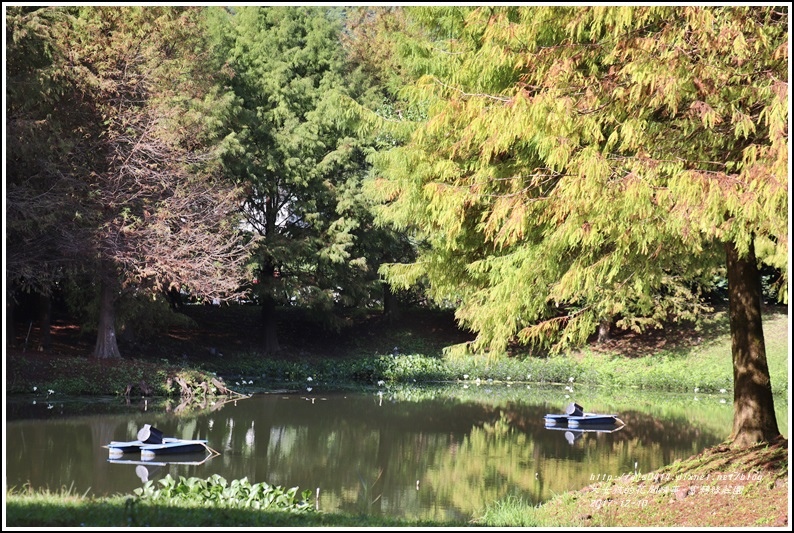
column 585, row 163
column 127, row 150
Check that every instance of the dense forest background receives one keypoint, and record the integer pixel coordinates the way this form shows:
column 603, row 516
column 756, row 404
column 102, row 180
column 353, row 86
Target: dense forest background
column 545, row 173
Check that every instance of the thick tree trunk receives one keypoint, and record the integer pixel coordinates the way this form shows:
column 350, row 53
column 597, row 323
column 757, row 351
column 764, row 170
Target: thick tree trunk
column 106, row 344
column 45, row 318
column 604, row 327
column 271, row 345
column 754, row 418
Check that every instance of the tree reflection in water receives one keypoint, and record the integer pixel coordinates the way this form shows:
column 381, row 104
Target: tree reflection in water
column 414, row 453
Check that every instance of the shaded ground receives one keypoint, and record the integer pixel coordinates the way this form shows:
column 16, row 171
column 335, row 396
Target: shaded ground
column 218, row 333
column 237, row 328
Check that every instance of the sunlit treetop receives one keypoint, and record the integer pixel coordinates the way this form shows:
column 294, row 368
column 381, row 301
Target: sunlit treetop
column 583, row 163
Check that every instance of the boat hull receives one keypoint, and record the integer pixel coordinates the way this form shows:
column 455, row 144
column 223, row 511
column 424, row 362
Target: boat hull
column 587, row 420
column 167, row 447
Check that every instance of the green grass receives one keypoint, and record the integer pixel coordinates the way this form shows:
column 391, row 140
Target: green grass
column 707, row 367
column 514, row 512
column 66, row 509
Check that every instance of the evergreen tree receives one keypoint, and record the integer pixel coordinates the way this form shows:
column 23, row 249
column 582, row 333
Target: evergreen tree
column 582, row 164
column 46, row 119
column 299, row 163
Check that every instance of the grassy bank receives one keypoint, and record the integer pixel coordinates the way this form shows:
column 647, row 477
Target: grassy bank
column 721, row 487
column 70, row 510
column 703, row 364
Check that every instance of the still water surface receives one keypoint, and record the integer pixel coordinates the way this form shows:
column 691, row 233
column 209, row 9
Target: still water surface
column 409, row 453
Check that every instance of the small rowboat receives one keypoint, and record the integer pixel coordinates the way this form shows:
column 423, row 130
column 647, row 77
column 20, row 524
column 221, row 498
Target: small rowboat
column 575, row 417
column 586, row 420
column 168, row 445
column 151, row 442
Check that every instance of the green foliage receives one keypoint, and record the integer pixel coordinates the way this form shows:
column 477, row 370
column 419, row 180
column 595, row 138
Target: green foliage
column 217, row 492
column 298, row 160
column 140, row 316
column 42, row 200
column 581, row 163
column 63, row 508
column 75, row 376
column 512, row 512
column 143, row 316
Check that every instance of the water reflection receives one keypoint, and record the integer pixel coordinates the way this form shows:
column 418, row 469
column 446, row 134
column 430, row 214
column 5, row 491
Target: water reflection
column 432, row 456
column 574, row 434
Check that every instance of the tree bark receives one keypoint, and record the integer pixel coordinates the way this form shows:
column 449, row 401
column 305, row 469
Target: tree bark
column 754, row 418
column 604, row 327
column 106, row 344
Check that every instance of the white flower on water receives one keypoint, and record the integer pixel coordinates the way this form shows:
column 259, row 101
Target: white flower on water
column 50, row 391
column 381, row 383
column 697, row 389
column 35, row 389
column 465, row 376
column 570, row 379
column 309, row 379
column 723, row 391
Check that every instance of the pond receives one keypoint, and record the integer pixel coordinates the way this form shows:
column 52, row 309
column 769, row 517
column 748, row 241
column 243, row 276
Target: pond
column 440, row 453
